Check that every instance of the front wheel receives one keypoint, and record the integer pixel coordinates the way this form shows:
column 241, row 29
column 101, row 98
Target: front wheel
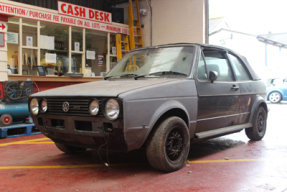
column 257, row 131
column 168, row 145
column 69, row 149
column 275, row 97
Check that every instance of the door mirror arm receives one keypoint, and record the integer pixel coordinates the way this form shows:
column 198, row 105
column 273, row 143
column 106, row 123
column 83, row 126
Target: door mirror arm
column 213, row 75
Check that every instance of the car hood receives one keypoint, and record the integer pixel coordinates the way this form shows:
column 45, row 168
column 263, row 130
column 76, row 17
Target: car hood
column 108, row 88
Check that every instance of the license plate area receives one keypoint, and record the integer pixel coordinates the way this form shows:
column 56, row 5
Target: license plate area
column 83, row 125
column 58, row 123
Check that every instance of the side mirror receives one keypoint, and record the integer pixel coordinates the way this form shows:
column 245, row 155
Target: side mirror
column 213, row 76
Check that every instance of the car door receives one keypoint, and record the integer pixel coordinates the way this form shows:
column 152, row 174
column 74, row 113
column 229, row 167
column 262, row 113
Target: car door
column 218, row 102
column 249, row 89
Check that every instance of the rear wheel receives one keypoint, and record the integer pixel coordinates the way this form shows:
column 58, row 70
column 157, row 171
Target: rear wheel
column 6, row 119
column 258, row 130
column 168, row 145
column 69, row 149
column 275, row 97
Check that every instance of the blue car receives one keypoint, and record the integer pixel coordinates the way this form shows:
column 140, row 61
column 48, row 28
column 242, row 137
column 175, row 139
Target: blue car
column 277, row 93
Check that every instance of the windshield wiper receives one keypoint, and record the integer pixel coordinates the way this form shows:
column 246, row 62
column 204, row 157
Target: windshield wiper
column 161, row 73
column 105, row 78
column 125, row 75
column 129, row 75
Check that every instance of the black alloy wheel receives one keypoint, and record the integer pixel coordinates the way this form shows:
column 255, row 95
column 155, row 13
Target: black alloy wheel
column 260, row 123
column 174, row 144
column 258, row 129
column 167, row 146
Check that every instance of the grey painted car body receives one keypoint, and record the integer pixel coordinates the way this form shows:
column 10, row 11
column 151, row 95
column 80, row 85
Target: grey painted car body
column 146, row 100
column 146, row 106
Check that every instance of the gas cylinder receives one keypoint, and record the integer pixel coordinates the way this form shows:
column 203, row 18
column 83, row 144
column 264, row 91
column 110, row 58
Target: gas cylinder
column 16, row 110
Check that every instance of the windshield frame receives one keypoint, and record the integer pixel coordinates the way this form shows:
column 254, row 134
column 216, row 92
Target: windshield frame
column 133, row 52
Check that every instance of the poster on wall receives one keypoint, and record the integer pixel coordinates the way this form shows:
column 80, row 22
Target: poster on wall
column 29, row 41
column 100, row 60
column 77, row 46
column 12, row 38
column 114, row 50
column 91, row 55
column 51, row 58
column 47, row 42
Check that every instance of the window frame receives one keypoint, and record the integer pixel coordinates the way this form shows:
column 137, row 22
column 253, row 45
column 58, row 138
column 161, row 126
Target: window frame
column 225, row 56
column 196, row 71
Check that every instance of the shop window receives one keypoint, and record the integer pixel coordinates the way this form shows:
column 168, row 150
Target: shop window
column 96, row 50
column 54, row 46
column 13, row 43
column 51, row 49
column 29, row 32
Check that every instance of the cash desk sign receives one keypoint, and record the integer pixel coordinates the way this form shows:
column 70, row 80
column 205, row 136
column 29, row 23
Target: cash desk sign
column 68, row 14
column 84, row 12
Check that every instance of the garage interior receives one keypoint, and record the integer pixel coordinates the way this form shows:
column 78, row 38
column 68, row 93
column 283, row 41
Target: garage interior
column 31, row 162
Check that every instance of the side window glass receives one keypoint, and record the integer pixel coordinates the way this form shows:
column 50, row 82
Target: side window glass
column 201, row 71
column 215, row 61
column 239, row 69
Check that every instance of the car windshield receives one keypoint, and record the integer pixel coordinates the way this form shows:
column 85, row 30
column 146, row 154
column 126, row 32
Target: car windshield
column 154, row 62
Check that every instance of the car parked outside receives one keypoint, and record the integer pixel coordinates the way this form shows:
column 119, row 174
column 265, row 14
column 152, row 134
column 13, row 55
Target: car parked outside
column 161, row 98
column 275, row 81
column 277, row 93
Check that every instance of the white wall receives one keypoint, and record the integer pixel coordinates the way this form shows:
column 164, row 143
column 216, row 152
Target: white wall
column 276, row 62
column 178, row 21
column 174, row 21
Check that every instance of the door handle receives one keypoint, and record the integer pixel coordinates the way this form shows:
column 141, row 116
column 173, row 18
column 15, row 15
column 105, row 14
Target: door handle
column 234, row 87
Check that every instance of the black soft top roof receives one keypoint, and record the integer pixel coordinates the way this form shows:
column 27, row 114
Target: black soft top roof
column 207, row 46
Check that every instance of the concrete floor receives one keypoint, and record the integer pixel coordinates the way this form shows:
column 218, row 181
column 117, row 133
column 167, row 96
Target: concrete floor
column 33, row 163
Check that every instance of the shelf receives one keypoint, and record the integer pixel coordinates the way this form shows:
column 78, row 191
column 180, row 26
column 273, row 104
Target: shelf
column 27, row 47
column 54, row 50
column 79, row 52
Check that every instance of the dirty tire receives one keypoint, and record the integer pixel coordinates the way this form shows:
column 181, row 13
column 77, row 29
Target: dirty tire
column 258, row 130
column 69, row 149
column 275, row 97
column 6, row 119
column 168, row 145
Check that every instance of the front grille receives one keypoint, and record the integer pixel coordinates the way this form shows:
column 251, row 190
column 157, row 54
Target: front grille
column 77, row 106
